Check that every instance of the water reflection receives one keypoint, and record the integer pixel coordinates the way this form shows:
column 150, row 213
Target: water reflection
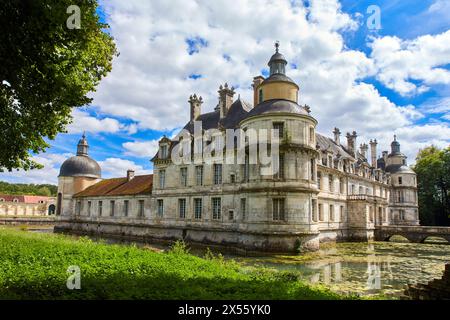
column 365, row 269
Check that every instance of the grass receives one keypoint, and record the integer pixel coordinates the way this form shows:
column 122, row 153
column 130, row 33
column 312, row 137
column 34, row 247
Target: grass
column 34, row 266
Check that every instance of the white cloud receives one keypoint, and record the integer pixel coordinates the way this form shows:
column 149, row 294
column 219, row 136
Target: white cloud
column 400, row 62
column 116, row 167
column 144, row 149
column 48, row 174
column 82, row 121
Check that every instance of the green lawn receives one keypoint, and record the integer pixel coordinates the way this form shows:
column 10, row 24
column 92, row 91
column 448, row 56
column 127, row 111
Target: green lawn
column 34, row 266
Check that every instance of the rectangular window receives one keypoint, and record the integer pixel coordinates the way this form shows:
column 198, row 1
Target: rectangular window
column 162, row 178
column 141, row 209
column 160, row 207
column 342, row 213
column 331, row 212
column 89, row 205
column 311, row 134
column 278, row 209
column 182, row 208
column 246, row 168
column 164, row 152
column 230, row 215
column 280, row 173
column 199, row 175
column 341, row 186
column 100, row 208
column 260, row 95
column 232, row 178
column 78, row 208
column 217, row 208
column 280, row 127
column 183, row 176
column 400, row 180
column 330, row 183
column 112, row 205
column 125, row 208
column 197, row 208
column 243, row 208
column 314, row 210
column 319, row 176
column 217, row 173
column 313, row 166
column 320, row 212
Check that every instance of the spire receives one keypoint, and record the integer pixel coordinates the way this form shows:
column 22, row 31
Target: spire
column 277, row 45
column 395, row 146
column 82, row 147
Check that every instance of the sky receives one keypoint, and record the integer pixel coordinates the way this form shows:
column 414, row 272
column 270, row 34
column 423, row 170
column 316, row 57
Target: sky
column 380, row 71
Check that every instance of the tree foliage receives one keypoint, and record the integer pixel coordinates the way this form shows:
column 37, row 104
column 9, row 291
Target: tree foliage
column 46, row 69
column 433, row 183
column 31, row 189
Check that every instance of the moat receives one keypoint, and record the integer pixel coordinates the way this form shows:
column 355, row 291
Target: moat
column 364, row 268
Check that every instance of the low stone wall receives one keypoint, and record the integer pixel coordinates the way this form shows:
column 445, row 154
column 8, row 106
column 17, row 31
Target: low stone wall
column 142, row 232
column 35, row 220
column 438, row 289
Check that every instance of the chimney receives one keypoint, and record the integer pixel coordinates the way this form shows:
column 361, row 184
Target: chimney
column 196, row 106
column 373, row 152
column 256, row 82
column 130, row 174
column 225, row 99
column 337, row 136
column 364, row 147
column 351, row 143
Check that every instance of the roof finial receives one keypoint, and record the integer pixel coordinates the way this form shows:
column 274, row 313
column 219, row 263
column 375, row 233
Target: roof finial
column 395, row 137
column 84, row 134
column 277, row 45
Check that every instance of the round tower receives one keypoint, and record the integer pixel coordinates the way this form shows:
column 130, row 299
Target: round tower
column 288, row 197
column 403, row 201
column 76, row 174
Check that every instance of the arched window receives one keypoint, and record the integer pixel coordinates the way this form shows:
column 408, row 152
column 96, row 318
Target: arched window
column 15, row 200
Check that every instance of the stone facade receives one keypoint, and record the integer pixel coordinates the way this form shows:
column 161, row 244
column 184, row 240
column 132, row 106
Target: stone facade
column 323, row 191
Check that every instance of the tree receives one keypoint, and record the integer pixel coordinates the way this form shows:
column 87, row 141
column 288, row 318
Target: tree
column 433, row 183
column 46, row 69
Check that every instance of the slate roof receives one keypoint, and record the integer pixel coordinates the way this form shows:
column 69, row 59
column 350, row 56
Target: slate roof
column 277, row 106
column 119, row 187
column 279, row 77
column 80, row 165
column 398, row 168
column 326, row 143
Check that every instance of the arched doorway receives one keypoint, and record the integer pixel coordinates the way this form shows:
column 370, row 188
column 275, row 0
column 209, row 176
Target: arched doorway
column 51, row 209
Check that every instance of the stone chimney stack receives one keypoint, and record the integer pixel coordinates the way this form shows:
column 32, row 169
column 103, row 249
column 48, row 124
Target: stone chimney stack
column 373, row 152
column 130, row 174
column 256, row 82
column 225, row 99
column 364, row 147
column 196, row 106
column 337, row 136
column 351, row 143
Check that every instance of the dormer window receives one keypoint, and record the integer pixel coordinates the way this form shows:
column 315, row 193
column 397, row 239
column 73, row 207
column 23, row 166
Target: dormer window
column 164, row 152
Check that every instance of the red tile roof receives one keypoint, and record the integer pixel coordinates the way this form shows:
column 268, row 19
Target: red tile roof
column 24, row 198
column 119, row 187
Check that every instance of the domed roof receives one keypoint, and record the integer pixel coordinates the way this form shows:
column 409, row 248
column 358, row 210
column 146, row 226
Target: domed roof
column 279, row 77
column 398, row 168
column 80, row 165
column 277, row 57
column 276, row 106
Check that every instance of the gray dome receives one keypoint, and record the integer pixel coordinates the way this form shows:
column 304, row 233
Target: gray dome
column 398, row 168
column 277, row 57
column 276, row 106
column 80, row 166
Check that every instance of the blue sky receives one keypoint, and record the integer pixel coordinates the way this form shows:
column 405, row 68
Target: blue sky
column 378, row 82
